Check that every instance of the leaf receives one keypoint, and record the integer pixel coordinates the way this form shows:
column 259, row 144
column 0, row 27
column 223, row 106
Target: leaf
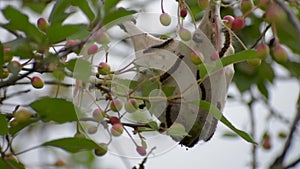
column 58, row 14
column 72, row 145
column 20, row 126
column 82, row 70
column 230, row 134
column 207, row 69
column 261, row 86
column 218, row 115
column 19, row 21
column 177, row 130
column 10, row 163
column 57, row 32
column 36, row 7
column 153, row 125
column 108, row 5
column 117, row 14
column 3, row 125
column 85, row 8
column 55, row 109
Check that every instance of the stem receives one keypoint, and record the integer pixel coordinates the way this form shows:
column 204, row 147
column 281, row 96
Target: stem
column 162, row 6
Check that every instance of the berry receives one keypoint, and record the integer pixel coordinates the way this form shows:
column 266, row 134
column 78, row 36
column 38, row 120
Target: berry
column 92, row 49
column 246, row 5
column 22, row 116
column 165, row 19
column 203, row 4
column 183, row 12
column 254, row 61
column 102, row 37
column 116, row 105
column 103, row 68
column 185, row 34
column 274, row 14
column 215, row 56
column 262, row 50
column 42, row 24
column 101, row 150
column 196, row 57
column 79, row 135
column 238, row 24
column 141, row 150
column 266, row 144
column 280, row 54
column 60, row 163
column 37, row 82
column 114, row 120
column 117, row 129
column 92, row 129
column 98, row 114
column 228, row 19
column 131, row 105
column 72, row 43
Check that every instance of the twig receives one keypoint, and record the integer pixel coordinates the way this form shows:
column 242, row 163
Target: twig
column 13, row 94
column 293, row 164
column 279, row 160
column 252, row 132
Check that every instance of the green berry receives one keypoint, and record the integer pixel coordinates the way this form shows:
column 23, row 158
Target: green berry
column 101, row 150
column 185, row 34
column 103, row 68
column 117, row 129
column 165, row 19
column 22, row 116
column 116, row 105
column 37, row 82
column 262, row 50
column 131, row 105
column 42, row 24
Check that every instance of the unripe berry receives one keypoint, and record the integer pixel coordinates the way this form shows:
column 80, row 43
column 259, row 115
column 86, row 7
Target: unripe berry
column 254, row 61
column 280, row 54
column 274, row 14
column 262, row 50
column 116, row 105
column 92, row 129
column 165, row 19
column 246, row 5
column 37, row 82
column 103, row 68
column 114, row 120
column 102, row 37
column 101, row 150
column 60, row 163
column 203, row 4
column 238, row 24
column 79, row 135
column 196, row 57
column 117, row 129
column 183, row 12
column 98, row 114
column 42, row 24
column 185, row 34
column 131, row 105
column 141, row 150
column 92, row 49
column 228, row 19
column 22, row 116
column 72, row 43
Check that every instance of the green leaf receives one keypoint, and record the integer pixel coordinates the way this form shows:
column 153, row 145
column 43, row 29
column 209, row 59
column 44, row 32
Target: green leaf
column 117, row 14
column 3, row 125
column 82, row 70
column 84, row 6
column 153, row 125
column 55, row 109
column 19, row 21
column 261, row 86
column 57, row 32
column 72, row 145
column 58, row 14
column 36, row 7
column 230, row 134
column 109, row 5
column 210, row 68
column 10, row 164
column 218, row 115
column 20, row 126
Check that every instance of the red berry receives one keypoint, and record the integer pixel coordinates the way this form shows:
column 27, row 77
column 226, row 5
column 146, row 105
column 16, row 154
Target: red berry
column 92, row 49
column 37, row 82
column 117, row 129
column 103, row 68
column 266, row 144
column 280, row 54
column 262, row 50
column 114, row 120
column 60, row 163
column 228, row 19
column 238, row 24
column 183, row 12
column 165, row 19
column 141, row 150
column 116, row 105
column 101, row 150
column 42, row 24
column 185, row 34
